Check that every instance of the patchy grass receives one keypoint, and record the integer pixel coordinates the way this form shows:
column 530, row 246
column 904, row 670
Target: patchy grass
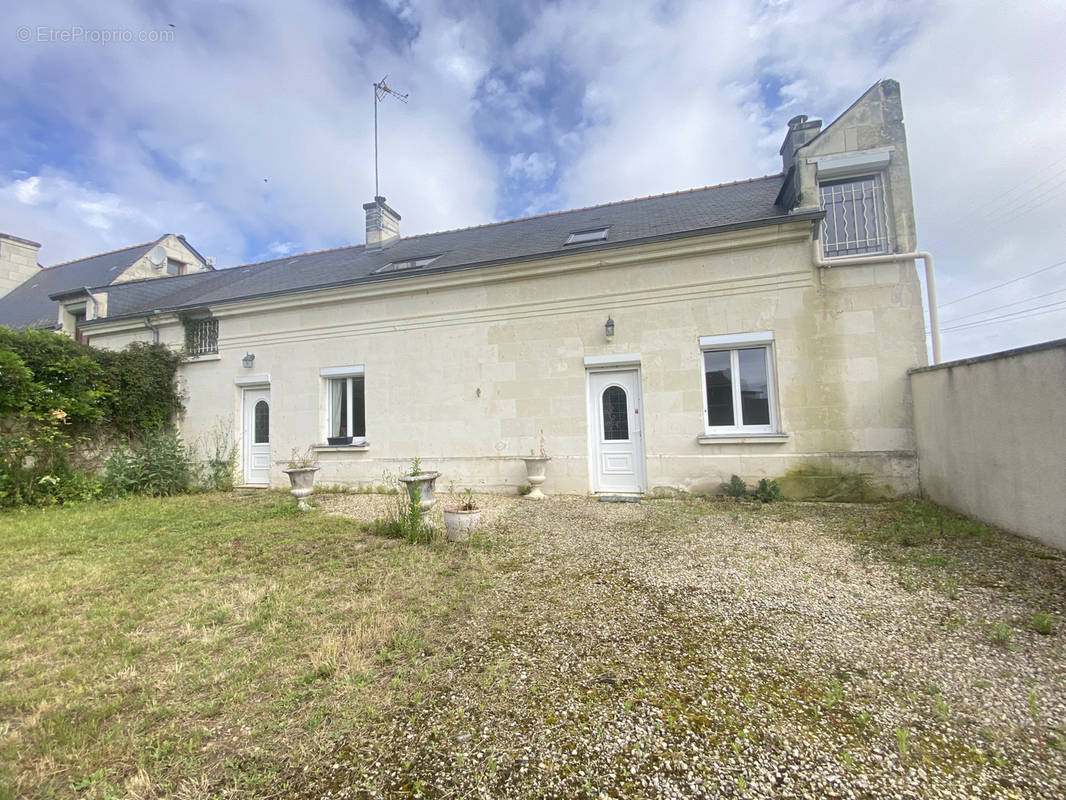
column 172, row 647
column 225, row 646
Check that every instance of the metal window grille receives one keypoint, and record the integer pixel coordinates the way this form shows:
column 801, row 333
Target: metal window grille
column 856, row 221
column 201, row 337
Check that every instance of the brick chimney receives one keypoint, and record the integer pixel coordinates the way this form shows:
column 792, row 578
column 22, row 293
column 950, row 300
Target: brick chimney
column 800, row 131
column 18, row 261
column 382, row 223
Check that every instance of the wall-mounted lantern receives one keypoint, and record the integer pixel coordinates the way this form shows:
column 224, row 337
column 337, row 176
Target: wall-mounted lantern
column 248, row 359
column 609, row 327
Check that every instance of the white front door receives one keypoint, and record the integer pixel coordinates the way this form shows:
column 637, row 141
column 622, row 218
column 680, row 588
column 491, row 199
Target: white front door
column 256, row 436
column 616, row 439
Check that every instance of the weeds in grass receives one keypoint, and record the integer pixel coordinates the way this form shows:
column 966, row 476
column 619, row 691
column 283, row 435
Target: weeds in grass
column 1042, row 623
column 902, row 741
column 834, row 694
column 999, row 633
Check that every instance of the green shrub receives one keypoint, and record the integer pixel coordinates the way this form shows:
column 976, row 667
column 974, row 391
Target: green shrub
column 159, row 466
column 736, row 488
column 767, row 491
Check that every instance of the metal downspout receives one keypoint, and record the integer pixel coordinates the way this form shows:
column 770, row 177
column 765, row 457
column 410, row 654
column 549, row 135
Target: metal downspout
column 155, row 331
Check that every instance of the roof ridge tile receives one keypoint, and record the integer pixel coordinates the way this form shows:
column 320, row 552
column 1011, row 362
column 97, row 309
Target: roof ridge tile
column 97, row 255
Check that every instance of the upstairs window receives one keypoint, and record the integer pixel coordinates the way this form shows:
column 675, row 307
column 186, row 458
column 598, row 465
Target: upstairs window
column 175, row 267
column 201, row 337
column 738, row 384
column 856, row 222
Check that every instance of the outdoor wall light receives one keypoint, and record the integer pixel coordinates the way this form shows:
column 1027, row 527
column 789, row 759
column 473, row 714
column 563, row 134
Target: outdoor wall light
column 609, row 327
column 247, row 360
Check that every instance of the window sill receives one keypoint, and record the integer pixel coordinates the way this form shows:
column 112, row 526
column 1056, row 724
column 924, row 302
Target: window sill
column 743, row 438
column 358, row 447
column 204, row 357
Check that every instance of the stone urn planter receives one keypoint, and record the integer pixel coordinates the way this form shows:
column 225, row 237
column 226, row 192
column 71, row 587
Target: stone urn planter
column 424, row 482
column 535, row 469
column 302, row 480
column 459, row 522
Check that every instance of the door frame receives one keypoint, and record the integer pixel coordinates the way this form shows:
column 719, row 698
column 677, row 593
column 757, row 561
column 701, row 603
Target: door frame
column 592, row 417
column 248, row 433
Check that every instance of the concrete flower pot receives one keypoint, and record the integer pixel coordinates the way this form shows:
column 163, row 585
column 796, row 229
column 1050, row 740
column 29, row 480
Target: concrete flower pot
column 536, row 466
column 425, row 482
column 460, row 523
column 302, row 480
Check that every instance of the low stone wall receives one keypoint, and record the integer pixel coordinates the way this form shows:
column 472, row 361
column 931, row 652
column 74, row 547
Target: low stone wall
column 991, row 435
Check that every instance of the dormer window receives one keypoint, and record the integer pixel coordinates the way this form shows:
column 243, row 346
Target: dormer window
column 583, row 237
column 856, row 221
column 412, row 263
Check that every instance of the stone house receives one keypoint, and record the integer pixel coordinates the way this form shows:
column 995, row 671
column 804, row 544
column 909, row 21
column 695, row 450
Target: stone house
column 66, row 296
column 669, row 341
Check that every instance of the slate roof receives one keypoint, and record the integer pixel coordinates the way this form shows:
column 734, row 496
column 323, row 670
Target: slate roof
column 28, row 305
column 681, row 214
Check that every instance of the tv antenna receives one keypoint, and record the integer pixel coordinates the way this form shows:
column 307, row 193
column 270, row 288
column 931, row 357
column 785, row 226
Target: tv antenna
column 380, row 91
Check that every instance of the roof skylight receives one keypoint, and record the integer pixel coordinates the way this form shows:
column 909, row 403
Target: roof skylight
column 594, row 235
column 411, row 263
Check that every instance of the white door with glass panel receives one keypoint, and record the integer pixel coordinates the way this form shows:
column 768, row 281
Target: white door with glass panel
column 616, row 437
column 256, row 436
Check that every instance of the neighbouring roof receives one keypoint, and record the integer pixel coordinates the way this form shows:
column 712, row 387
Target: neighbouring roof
column 728, row 206
column 28, row 305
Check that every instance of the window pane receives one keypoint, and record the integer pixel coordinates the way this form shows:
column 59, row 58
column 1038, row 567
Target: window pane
column 358, row 408
column 719, row 388
column 262, row 422
column 615, row 413
column 754, row 390
column 338, row 407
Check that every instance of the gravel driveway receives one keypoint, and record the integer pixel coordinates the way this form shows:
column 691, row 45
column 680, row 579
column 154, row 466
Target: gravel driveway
column 680, row 648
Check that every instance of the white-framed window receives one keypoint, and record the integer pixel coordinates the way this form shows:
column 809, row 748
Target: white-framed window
column 738, row 386
column 345, row 402
column 856, row 217
column 201, row 336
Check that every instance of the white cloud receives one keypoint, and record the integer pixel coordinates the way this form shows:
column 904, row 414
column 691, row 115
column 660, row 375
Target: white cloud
column 253, row 128
column 536, row 167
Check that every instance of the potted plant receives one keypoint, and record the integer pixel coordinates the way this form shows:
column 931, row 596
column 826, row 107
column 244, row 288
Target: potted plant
column 422, row 483
column 462, row 518
column 301, row 472
column 536, row 465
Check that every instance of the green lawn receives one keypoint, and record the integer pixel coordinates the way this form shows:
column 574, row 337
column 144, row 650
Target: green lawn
column 161, row 647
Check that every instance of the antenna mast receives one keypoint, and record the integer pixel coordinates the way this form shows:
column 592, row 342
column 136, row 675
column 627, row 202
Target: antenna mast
column 380, row 90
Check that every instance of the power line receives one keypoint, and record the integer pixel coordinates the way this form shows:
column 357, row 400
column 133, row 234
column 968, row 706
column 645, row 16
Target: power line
column 1013, row 316
column 1006, row 305
column 1001, row 285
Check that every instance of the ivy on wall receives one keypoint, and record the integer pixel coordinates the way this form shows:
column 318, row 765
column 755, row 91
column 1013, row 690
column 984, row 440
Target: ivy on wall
column 56, row 393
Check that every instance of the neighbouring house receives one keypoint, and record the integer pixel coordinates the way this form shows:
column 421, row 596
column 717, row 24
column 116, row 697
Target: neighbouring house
column 669, row 341
column 66, row 296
